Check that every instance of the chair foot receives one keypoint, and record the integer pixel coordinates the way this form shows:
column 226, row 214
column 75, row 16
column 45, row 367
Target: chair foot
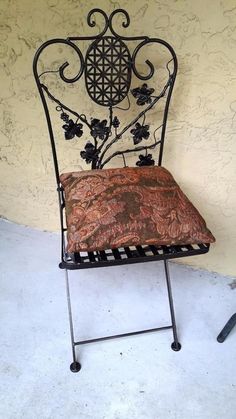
column 175, row 346
column 75, row 367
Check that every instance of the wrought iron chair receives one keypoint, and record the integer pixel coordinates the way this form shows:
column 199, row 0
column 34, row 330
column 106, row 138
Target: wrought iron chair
column 121, row 215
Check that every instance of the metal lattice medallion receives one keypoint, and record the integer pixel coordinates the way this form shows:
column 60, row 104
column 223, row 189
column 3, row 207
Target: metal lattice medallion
column 108, row 71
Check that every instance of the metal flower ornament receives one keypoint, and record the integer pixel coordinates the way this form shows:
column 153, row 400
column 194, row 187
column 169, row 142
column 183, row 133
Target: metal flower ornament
column 99, row 129
column 142, row 94
column 89, row 154
column 71, row 128
column 140, row 132
column 145, row 160
column 107, row 67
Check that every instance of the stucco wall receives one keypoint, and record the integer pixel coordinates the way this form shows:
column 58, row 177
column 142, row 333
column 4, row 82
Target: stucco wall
column 201, row 134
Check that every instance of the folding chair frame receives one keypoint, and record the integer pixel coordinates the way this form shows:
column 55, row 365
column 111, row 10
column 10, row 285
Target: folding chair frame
column 108, row 67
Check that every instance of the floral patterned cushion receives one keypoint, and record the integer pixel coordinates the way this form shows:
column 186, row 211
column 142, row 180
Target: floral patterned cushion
column 112, row 208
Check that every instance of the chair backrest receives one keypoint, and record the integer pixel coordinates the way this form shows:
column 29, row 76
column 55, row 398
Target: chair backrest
column 109, row 71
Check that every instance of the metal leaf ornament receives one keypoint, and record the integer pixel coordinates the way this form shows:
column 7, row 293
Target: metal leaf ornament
column 99, row 128
column 89, row 154
column 140, row 132
column 145, row 160
column 142, row 94
column 71, row 128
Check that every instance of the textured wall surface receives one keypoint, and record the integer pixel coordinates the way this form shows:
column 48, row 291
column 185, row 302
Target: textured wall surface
column 200, row 143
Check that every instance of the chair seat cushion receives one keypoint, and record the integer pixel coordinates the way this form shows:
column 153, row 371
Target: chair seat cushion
column 112, row 208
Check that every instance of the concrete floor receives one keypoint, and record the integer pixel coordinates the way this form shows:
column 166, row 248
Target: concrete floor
column 130, row 378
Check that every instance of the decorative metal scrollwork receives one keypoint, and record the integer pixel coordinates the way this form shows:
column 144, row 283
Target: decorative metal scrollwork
column 125, row 24
column 92, row 22
column 108, row 66
column 66, row 64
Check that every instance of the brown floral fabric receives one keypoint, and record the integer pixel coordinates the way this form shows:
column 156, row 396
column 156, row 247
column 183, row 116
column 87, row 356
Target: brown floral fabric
column 112, row 208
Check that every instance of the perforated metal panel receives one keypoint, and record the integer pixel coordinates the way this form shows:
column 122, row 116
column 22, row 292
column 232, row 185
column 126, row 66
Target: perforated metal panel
column 108, row 71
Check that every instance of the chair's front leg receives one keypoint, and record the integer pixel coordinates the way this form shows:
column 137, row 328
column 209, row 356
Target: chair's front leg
column 75, row 366
column 176, row 346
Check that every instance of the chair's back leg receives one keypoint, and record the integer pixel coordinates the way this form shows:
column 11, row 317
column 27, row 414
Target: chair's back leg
column 175, row 345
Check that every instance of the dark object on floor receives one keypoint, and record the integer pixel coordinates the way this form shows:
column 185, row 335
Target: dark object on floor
column 227, row 329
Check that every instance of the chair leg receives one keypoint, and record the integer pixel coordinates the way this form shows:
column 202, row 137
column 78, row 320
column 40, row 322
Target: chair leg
column 176, row 346
column 75, row 366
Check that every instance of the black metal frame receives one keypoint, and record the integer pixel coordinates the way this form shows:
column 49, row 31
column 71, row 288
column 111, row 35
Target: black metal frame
column 108, row 67
column 227, row 329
